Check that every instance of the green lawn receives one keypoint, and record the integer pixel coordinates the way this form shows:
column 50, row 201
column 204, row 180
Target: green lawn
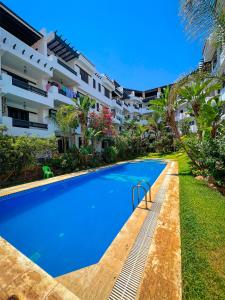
column 202, row 212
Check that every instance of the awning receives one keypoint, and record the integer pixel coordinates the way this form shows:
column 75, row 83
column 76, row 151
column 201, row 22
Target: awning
column 62, row 49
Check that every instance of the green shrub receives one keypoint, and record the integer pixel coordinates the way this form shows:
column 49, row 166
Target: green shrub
column 110, row 154
column 17, row 154
column 210, row 156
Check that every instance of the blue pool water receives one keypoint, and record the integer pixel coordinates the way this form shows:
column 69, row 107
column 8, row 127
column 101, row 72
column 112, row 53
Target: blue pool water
column 68, row 225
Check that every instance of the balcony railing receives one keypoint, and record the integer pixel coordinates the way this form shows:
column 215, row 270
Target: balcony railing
column 66, row 67
column 20, row 123
column 28, row 124
column 38, row 125
column 23, row 85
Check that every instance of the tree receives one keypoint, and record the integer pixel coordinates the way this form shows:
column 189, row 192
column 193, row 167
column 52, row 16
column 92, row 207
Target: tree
column 212, row 116
column 203, row 17
column 67, row 119
column 102, row 122
column 83, row 104
column 69, row 116
column 194, row 94
column 166, row 109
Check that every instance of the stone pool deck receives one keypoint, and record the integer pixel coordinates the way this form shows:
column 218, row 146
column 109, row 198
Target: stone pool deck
column 162, row 275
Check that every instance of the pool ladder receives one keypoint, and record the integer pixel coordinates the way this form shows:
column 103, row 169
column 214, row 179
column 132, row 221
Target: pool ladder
column 139, row 186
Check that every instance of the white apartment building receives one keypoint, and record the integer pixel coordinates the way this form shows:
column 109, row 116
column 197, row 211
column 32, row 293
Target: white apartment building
column 40, row 71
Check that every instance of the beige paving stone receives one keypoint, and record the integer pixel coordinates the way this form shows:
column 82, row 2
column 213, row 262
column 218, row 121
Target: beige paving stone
column 19, row 276
column 162, row 276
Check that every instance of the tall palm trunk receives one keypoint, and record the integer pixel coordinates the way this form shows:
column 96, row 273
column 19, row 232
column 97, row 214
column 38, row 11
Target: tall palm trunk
column 83, row 127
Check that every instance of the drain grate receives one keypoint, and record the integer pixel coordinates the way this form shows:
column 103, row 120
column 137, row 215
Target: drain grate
column 126, row 285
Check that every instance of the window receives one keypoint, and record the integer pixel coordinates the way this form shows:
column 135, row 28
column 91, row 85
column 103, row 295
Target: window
column 99, row 87
column 63, row 144
column 84, row 75
column 94, row 83
column 105, row 144
column 107, row 93
column 98, row 106
column 18, row 114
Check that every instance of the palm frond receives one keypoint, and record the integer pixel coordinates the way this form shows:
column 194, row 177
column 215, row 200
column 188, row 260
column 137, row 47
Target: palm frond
column 203, row 17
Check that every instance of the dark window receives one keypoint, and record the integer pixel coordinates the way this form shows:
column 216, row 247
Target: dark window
column 18, row 114
column 99, row 87
column 84, row 75
column 98, row 107
column 181, row 111
column 107, row 93
column 61, row 145
column 140, row 105
column 105, row 144
column 94, row 83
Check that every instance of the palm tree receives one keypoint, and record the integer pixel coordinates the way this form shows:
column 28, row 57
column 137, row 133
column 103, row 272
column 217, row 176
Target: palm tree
column 83, row 104
column 166, row 108
column 67, row 120
column 213, row 116
column 203, row 17
column 153, row 124
column 194, row 94
column 92, row 135
column 69, row 116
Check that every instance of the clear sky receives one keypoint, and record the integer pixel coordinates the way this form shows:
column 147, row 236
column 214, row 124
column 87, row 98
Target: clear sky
column 141, row 43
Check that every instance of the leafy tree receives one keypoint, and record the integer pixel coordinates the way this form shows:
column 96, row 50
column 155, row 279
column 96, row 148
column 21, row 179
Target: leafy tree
column 102, row 123
column 203, row 17
column 68, row 117
column 83, row 104
column 67, row 121
column 212, row 116
column 184, row 126
column 194, row 94
column 166, row 108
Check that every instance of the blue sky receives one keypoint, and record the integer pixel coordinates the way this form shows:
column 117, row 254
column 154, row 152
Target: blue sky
column 141, row 44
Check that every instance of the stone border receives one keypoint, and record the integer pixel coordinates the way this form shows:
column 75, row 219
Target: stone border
column 20, row 277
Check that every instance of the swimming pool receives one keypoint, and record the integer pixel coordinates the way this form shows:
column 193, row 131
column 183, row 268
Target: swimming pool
column 68, row 225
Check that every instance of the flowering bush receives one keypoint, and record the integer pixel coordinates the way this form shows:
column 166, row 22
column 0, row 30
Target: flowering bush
column 103, row 122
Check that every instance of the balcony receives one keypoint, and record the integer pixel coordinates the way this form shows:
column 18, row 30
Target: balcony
column 26, row 54
column 66, row 67
column 28, row 124
column 23, row 85
column 17, row 89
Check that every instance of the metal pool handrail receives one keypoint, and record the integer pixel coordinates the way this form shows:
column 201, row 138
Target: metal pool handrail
column 149, row 185
column 138, row 186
